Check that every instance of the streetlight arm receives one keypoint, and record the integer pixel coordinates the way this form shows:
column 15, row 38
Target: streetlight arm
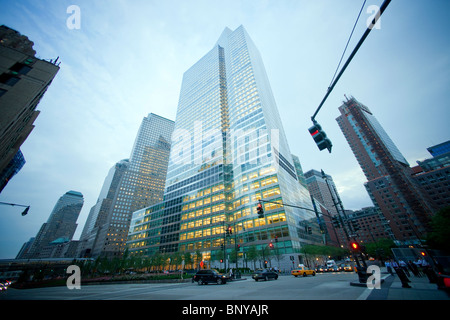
column 14, row 204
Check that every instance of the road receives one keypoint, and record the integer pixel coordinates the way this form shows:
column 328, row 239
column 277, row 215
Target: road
column 321, row 287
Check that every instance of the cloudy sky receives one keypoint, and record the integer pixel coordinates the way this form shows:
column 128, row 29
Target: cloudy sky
column 128, row 57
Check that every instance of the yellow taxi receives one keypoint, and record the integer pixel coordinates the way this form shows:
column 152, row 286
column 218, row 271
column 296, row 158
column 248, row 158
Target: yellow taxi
column 303, row 271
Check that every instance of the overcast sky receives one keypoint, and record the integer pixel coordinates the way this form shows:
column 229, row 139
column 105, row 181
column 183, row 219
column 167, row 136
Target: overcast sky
column 128, row 57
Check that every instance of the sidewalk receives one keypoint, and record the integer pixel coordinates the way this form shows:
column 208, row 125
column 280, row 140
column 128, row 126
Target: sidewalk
column 421, row 289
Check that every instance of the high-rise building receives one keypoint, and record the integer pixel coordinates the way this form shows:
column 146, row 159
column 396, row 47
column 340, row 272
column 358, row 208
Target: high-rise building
column 130, row 185
column 228, row 151
column 322, row 188
column 100, row 216
column 434, row 175
column 400, row 199
column 23, row 81
column 60, row 226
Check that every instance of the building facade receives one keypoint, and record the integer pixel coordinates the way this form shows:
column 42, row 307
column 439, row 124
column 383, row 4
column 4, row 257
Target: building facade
column 61, row 225
column 434, row 175
column 228, row 152
column 24, row 79
column 322, row 188
column 405, row 209
column 130, row 185
column 368, row 225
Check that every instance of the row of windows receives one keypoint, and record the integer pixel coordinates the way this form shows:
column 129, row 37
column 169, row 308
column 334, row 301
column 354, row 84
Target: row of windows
column 220, row 230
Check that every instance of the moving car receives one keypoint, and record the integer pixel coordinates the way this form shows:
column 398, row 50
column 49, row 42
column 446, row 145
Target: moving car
column 348, row 268
column 209, row 276
column 302, row 271
column 264, row 274
column 321, row 269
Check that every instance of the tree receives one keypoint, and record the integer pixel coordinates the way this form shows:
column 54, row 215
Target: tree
column 177, row 258
column 381, row 249
column 188, row 259
column 198, row 257
column 439, row 237
column 252, row 255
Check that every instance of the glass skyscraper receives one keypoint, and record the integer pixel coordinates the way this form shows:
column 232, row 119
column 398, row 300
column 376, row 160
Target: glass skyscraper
column 61, row 223
column 130, row 185
column 228, row 151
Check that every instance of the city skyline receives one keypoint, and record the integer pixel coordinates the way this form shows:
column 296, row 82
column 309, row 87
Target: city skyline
column 401, row 70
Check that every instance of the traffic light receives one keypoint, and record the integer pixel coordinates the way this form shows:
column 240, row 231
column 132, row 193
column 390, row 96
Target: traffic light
column 222, row 247
column 335, row 221
column 260, row 210
column 320, row 137
column 271, row 245
column 238, row 247
column 229, row 231
column 354, row 246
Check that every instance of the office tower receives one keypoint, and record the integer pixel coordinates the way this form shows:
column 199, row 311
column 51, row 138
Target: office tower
column 389, row 184
column 25, row 247
column 434, row 175
column 100, row 216
column 322, row 188
column 60, row 226
column 23, row 81
column 130, row 185
column 228, row 151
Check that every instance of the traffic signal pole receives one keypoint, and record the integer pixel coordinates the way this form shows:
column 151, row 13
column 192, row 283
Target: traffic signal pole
column 331, row 87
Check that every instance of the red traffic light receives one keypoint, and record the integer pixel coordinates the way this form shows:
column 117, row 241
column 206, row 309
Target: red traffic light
column 354, row 246
column 271, row 245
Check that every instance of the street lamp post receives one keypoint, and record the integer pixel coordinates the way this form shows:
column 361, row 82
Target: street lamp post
column 24, row 213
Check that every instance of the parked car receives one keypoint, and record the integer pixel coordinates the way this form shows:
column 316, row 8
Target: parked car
column 264, row 274
column 303, row 271
column 210, row 276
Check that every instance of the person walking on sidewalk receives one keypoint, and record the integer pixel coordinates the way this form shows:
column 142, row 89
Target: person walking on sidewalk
column 388, row 266
column 404, row 267
column 412, row 266
column 401, row 275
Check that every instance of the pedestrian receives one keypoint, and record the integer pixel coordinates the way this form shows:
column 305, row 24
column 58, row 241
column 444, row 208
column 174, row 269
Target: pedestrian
column 403, row 265
column 412, row 266
column 418, row 264
column 388, row 267
column 401, row 275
